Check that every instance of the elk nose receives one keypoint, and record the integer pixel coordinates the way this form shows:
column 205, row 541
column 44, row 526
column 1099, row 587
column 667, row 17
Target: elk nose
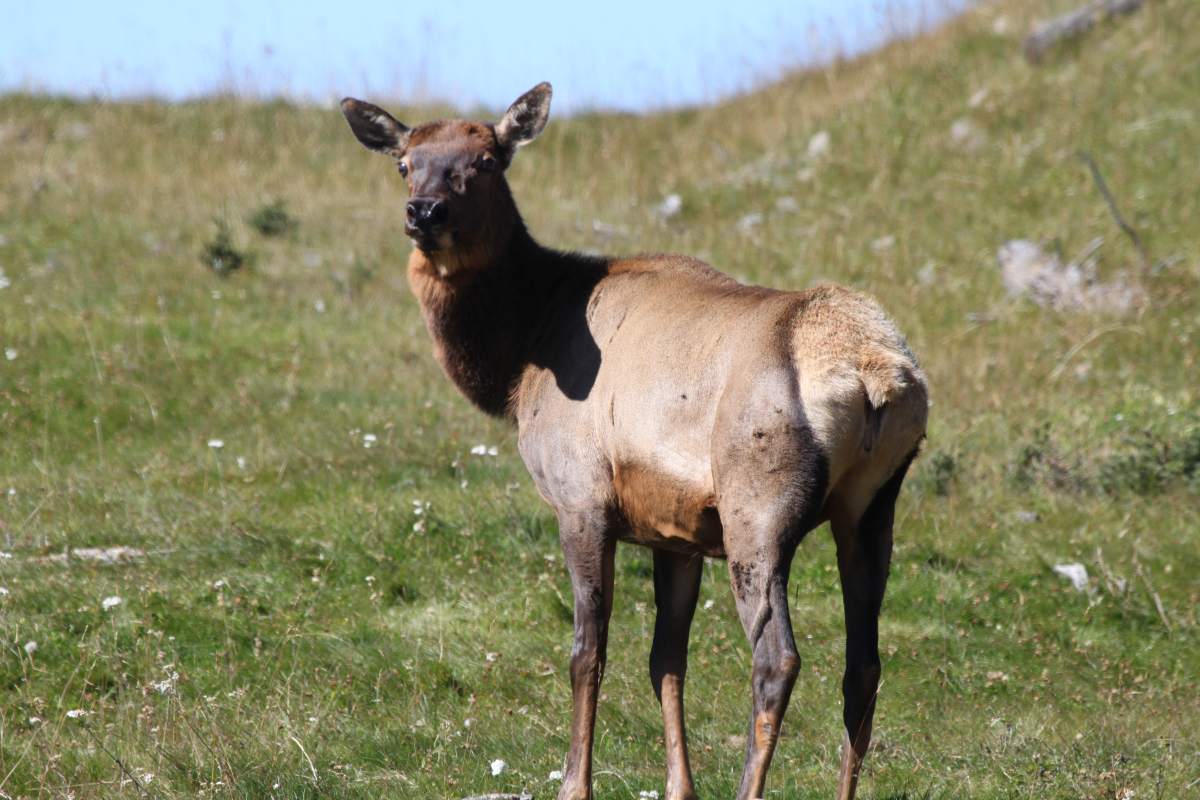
column 426, row 213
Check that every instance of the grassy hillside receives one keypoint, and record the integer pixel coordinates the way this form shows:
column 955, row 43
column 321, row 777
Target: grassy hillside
column 342, row 600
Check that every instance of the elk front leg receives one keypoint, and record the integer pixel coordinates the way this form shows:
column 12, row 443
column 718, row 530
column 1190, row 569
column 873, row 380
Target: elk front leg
column 588, row 550
column 676, row 587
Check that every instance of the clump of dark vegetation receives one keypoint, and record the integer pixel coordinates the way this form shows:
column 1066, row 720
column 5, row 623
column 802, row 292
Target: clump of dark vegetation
column 940, row 472
column 273, row 219
column 1150, row 462
column 1040, row 462
column 221, row 255
column 1147, row 461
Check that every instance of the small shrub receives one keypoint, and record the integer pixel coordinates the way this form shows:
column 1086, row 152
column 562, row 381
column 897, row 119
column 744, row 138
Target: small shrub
column 221, row 255
column 273, row 219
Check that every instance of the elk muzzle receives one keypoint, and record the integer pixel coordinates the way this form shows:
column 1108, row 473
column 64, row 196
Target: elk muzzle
column 424, row 219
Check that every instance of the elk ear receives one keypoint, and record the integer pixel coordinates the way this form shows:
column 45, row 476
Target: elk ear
column 375, row 128
column 525, row 118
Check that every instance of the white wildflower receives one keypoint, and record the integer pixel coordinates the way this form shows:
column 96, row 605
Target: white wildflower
column 319, row 306
column 369, row 440
column 4, row 555
column 490, row 657
column 671, row 205
column 76, row 713
column 4, row 281
column 485, row 450
column 749, row 222
column 241, row 463
column 216, row 444
column 818, row 145
column 110, row 602
column 10, row 353
column 167, row 685
column 648, row 794
column 498, row 766
column 555, row 775
column 34, row 720
column 147, row 777
column 31, row 647
column 708, row 604
column 468, row 722
column 4, row 591
column 220, row 583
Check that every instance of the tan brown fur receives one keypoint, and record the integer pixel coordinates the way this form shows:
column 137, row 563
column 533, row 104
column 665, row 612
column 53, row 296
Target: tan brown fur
column 661, row 402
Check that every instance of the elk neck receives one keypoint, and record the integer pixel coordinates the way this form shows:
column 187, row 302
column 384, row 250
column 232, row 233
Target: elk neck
column 490, row 310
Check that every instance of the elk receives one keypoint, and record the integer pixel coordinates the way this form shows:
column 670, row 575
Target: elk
column 660, row 402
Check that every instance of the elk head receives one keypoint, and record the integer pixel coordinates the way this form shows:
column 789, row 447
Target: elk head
column 458, row 199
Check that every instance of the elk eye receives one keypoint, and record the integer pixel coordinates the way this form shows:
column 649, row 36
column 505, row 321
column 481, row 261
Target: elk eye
column 403, row 170
column 485, row 163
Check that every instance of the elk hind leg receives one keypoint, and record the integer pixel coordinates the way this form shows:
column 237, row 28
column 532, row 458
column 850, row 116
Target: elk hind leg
column 759, row 575
column 864, row 552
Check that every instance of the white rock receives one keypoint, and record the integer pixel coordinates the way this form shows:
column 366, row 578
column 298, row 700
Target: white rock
column 1074, row 572
column 927, row 275
column 1029, row 270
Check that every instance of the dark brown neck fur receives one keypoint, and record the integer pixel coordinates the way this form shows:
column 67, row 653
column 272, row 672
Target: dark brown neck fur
column 493, row 311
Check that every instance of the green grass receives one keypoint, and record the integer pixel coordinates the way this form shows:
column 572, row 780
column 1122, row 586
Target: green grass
column 318, row 618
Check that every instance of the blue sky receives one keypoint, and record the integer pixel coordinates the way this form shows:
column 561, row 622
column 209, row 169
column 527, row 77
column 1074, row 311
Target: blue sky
column 626, row 54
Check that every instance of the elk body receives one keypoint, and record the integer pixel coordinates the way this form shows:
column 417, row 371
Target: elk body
column 662, row 403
